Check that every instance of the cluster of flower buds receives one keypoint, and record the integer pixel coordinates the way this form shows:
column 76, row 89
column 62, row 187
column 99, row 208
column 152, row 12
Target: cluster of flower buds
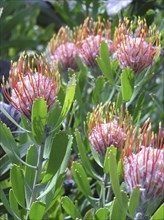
column 136, row 49
column 31, row 79
column 142, row 150
column 143, row 163
column 84, row 41
column 62, row 48
column 107, row 127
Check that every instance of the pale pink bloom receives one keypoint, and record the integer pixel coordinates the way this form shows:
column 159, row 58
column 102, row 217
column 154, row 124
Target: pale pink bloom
column 28, row 84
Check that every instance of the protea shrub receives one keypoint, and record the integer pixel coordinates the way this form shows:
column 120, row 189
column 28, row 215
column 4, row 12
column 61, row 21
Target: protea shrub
column 106, row 127
column 90, row 36
column 143, row 164
column 137, row 48
column 29, row 80
column 62, row 48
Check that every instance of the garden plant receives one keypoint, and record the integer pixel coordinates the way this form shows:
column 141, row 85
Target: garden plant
column 81, row 110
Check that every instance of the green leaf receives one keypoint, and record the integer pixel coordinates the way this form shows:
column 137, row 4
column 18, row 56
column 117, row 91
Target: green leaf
column 106, row 160
column 84, row 158
column 14, row 204
column 53, row 182
column 8, row 143
column 38, row 119
column 102, row 214
column 127, row 83
column 104, row 62
column 89, row 215
column 17, row 183
column 12, row 120
column 55, row 192
column 114, row 177
column 119, row 101
column 134, row 201
column 31, row 158
column 70, row 92
column 57, row 154
column 70, row 207
column 54, row 114
column 98, row 88
column 81, row 179
column 158, row 103
column 158, row 214
column 138, row 107
column 5, row 201
column 37, row 211
column 117, row 212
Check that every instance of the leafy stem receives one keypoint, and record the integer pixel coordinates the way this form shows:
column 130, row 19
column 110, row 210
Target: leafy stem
column 35, row 188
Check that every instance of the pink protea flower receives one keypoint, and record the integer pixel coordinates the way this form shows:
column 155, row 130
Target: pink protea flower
column 62, row 48
column 143, row 163
column 106, row 127
column 90, row 36
column 28, row 83
column 138, row 49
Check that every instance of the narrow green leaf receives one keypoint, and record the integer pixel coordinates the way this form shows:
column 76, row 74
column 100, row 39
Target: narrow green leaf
column 81, row 179
column 64, row 164
column 70, row 92
column 31, row 158
column 104, row 62
column 158, row 103
column 55, row 111
column 106, row 161
column 89, row 215
column 8, row 143
column 127, row 83
column 37, row 211
column 159, row 214
column 5, row 201
column 138, row 107
column 14, row 204
column 117, row 212
column 38, row 119
column 55, row 192
column 134, row 201
column 84, row 158
column 58, row 151
column 12, row 120
column 17, row 183
column 102, row 214
column 5, row 162
column 119, row 101
column 114, row 177
column 70, row 207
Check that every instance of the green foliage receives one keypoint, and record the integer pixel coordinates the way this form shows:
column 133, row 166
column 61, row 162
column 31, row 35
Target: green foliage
column 127, row 83
column 49, row 169
column 17, row 183
column 158, row 214
column 36, row 211
column 57, row 154
column 38, row 119
column 70, row 208
column 104, row 62
column 8, row 144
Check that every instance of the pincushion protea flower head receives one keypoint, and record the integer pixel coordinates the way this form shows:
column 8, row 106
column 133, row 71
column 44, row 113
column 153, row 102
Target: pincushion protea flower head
column 136, row 49
column 62, row 48
column 27, row 83
column 107, row 127
column 143, row 163
column 90, row 36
